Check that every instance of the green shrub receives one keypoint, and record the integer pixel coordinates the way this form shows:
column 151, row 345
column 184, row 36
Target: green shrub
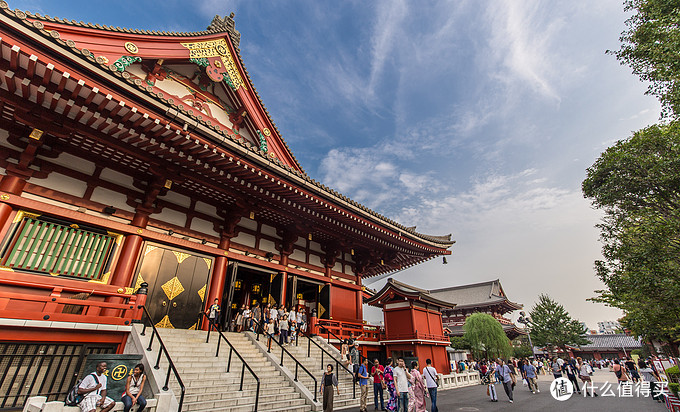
column 673, row 387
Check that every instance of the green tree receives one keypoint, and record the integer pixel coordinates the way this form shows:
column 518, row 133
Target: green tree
column 460, row 343
column 637, row 184
column 551, row 325
column 485, row 335
column 651, row 47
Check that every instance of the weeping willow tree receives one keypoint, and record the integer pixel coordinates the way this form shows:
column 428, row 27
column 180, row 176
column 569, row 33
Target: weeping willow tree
column 486, row 337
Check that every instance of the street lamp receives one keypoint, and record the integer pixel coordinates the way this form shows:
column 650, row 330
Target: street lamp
column 526, row 321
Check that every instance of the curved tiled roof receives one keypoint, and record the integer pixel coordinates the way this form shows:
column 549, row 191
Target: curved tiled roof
column 476, row 294
column 615, row 342
column 54, row 36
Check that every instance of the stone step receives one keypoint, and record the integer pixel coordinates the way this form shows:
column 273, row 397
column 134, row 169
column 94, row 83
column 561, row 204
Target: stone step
column 231, row 405
column 209, row 387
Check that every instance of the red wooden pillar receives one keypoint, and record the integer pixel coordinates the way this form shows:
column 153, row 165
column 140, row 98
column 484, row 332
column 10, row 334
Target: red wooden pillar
column 5, row 213
column 127, row 260
column 284, row 286
column 217, row 282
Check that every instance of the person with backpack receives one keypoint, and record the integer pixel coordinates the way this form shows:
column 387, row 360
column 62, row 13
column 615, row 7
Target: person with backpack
column 432, row 382
column 363, row 385
column 134, row 388
column 214, row 312
column 93, row 388
column 507, row 378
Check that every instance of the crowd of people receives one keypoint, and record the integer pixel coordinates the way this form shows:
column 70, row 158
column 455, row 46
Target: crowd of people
column 508, row 372
column 396, row 388
column 274, row 320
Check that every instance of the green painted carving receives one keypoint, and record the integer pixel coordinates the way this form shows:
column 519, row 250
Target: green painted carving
column 124, row 61
column 228, row 81
column 201, row 62
column 263, row 142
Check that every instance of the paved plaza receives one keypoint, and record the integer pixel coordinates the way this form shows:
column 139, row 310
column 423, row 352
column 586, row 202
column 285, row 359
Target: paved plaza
column 474, row 398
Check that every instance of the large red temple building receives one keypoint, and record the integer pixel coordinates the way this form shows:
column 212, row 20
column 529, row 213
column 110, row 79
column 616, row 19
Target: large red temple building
column 485, row 297
column 130, row 156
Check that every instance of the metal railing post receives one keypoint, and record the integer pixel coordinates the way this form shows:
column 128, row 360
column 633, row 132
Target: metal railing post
column 229, row 362
column 151, row 340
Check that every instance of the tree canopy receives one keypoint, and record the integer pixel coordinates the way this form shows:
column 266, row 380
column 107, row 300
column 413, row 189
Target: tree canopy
column 637, row 184
column 553, row 327
column 651, row 47
column 485, row 335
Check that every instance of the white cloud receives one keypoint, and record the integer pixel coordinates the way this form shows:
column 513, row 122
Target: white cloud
column 522, row 40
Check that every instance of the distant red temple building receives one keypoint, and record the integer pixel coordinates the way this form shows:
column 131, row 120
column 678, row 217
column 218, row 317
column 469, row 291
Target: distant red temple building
column 131, row 157
column 413, row 324
column 485, row 297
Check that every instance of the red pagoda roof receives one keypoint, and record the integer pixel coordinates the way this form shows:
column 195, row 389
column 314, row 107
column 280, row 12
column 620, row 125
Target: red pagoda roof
column 393, row 289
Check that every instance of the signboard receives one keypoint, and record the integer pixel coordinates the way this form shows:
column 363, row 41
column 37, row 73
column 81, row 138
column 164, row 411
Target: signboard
column 118, row 368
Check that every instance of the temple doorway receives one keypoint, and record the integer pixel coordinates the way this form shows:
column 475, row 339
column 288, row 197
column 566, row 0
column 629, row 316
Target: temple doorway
column 248, row 285
column 177, row 285
column 310, row 295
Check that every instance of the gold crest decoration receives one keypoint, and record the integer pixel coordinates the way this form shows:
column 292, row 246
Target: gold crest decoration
column 172, row 288
column 220, row 61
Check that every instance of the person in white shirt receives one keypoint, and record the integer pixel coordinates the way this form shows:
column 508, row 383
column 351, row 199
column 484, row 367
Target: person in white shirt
column 94, row 389
column 401, row 379
column 431, row 381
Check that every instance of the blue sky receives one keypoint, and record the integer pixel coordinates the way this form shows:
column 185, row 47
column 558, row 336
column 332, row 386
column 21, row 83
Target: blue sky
column 476, row 118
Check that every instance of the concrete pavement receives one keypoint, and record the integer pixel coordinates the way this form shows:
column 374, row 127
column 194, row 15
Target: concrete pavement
column 474, row 398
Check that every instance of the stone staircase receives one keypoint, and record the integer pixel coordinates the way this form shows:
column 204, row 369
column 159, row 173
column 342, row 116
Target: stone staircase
column 314, row 365
column 209, row 387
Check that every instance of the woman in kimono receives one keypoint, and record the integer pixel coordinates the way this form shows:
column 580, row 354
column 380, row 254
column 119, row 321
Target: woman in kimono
column 391, row 404
column 417, row 391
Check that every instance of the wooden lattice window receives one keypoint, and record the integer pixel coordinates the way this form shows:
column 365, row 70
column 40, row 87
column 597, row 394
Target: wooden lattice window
column 45, row 245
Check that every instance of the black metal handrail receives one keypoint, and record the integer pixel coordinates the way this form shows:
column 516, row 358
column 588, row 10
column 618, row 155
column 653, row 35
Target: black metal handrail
column 163, row 350
column 328, row 338
column 338, row 363
column 232, row 350
column 297, row 362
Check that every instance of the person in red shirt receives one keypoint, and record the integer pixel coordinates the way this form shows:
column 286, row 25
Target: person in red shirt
column 377, row 372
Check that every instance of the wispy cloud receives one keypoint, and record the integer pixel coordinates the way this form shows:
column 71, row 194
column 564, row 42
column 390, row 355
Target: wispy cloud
column 522, row 34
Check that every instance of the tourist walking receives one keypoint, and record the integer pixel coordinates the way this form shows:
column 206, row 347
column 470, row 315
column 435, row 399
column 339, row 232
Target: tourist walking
column 283, row 330
column 632, row 370
column 401, row 381
column 363, row 385
column 432, row 382
column 238, row 319
column 570, row 369
column 493, row 379
column 328, row 381
column 133, row 389
column 354, row 357
column 247, row 317
column 651, row 376
column 344, row 354
column 378, row 371
column 556, row 368
column 417, row 390
column 507, row 378
column 389, row 384
column 530, row 374
column 620, row 372
column 584, row 375
column 94, row 389
column 214, row 312
column 257, row 316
